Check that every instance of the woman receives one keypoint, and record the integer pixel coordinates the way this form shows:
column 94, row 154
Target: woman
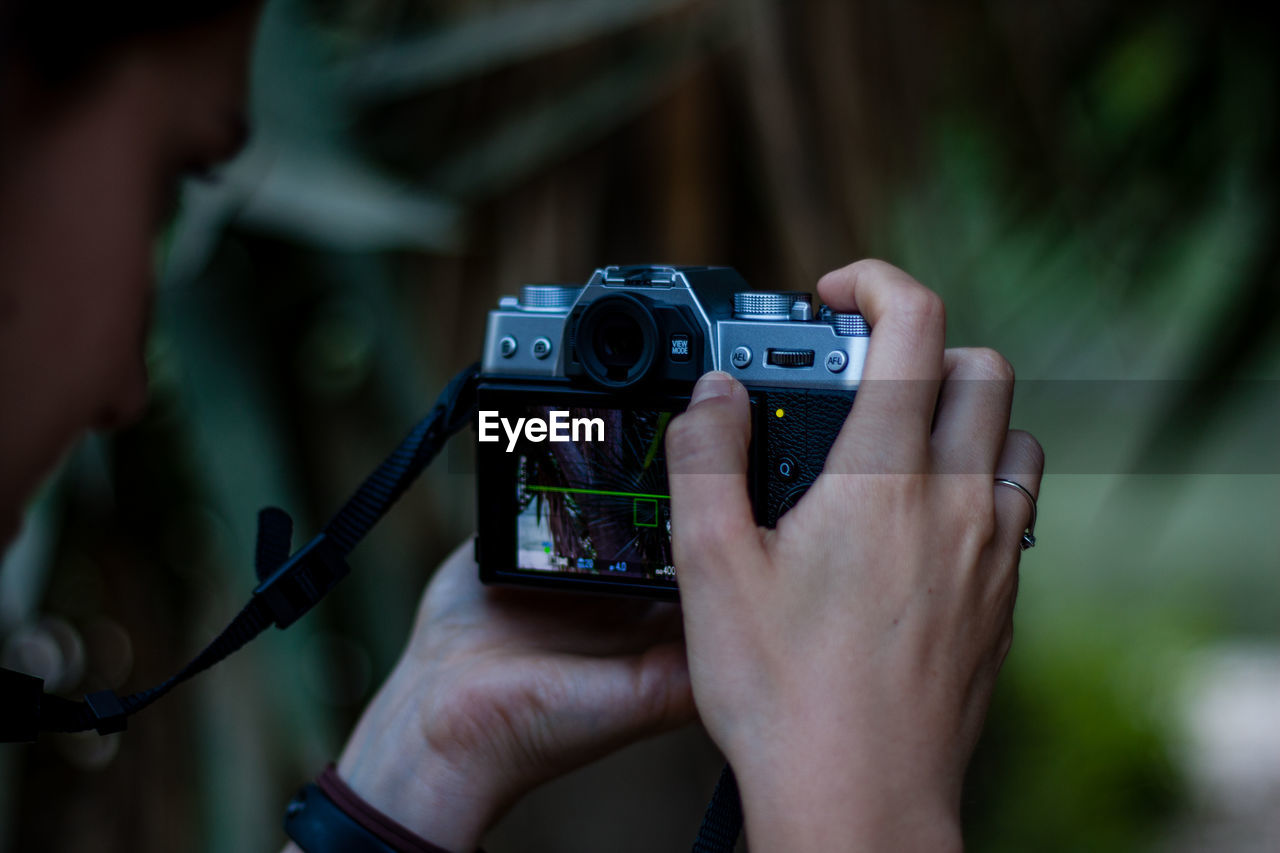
column 843, row 661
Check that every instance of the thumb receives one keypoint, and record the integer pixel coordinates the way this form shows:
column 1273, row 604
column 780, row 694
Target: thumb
column 639, row 694
column 587, row 707
column 707, row 471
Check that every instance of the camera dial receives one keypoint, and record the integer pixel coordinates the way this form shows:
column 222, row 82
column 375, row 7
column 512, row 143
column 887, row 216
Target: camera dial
column 850, row 325
column 772, row 305
column 548, row 297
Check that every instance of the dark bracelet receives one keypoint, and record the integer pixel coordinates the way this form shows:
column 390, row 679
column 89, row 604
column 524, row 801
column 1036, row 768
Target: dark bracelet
column 326, row 816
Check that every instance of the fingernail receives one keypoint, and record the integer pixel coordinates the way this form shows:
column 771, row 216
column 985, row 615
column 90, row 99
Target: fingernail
column 713, row 384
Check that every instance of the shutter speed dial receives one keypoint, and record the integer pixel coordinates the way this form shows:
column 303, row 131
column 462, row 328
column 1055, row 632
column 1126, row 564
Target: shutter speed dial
column 773, row 306
column 763, row 305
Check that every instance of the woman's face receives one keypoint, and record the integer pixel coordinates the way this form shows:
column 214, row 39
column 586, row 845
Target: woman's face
column 85, row 185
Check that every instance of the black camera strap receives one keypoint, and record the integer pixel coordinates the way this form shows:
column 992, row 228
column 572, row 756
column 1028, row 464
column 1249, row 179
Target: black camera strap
column 722, row 821
column 289, row 585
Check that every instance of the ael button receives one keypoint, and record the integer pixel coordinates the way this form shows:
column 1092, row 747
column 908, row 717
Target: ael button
column 790, row 357
column 679, row 347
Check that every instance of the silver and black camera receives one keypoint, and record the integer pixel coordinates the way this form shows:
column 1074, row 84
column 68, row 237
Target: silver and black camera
column 579, row 383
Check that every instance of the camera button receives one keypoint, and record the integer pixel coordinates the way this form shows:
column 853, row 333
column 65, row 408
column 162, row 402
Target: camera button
column 836, row 361
column 786, row 468
column 541, row 348
column 508, row 346
column 680, row 347
column 741, row 357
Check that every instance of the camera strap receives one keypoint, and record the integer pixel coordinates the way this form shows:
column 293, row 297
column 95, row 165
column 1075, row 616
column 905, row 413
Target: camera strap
column 722, row 821
column 288, row 584
column 291, row 584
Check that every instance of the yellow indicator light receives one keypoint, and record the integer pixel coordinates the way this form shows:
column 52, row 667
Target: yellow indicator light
column 779, row 413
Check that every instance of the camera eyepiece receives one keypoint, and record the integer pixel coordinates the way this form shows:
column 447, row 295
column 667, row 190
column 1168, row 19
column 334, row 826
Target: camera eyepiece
column 617, row 340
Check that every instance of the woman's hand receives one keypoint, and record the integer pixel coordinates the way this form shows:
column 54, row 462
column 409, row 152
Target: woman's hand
column 500, row 690
column 844, row 661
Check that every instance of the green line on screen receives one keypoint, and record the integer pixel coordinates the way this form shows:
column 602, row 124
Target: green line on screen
column 595, row 492
column 663, row 419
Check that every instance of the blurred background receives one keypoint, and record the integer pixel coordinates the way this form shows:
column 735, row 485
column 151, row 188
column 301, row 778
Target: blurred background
column 1091, row 187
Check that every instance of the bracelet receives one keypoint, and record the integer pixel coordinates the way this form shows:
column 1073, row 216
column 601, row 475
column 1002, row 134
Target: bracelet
column 326, row 816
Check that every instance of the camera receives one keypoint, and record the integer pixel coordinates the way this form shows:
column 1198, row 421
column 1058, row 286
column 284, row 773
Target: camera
column 578, row 384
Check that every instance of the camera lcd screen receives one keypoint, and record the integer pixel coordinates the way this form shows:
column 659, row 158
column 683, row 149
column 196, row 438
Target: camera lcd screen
column 596, row 504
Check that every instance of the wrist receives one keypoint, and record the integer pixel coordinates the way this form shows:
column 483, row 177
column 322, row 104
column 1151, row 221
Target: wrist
column 840, row 797
column 391, row 765
column 428, row 805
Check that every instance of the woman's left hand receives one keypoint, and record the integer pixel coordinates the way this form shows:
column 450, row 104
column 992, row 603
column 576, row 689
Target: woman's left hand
column 500, row 690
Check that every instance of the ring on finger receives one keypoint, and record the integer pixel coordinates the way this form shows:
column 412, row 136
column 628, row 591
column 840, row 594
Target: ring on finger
column 1028, row 535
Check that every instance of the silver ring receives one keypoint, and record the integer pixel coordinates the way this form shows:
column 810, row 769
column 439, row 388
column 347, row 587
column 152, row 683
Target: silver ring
column 1029, row 535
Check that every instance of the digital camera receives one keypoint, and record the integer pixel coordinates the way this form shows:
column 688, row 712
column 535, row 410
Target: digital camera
column 578, row 384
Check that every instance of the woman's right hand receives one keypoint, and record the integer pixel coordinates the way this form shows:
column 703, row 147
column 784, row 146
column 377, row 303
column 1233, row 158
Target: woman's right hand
column 845, row 660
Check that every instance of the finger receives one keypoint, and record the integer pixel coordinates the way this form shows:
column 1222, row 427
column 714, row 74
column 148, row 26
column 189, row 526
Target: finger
column 894, row 408
column 972, row 420
column 707, row 471
column 456, row 587
column 456, row 580
column 555, row 621
column 594, row 627
column 1021, row 461
column 637, row 694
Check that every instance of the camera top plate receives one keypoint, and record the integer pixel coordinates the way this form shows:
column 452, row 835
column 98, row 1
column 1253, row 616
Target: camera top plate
column 536, row 335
